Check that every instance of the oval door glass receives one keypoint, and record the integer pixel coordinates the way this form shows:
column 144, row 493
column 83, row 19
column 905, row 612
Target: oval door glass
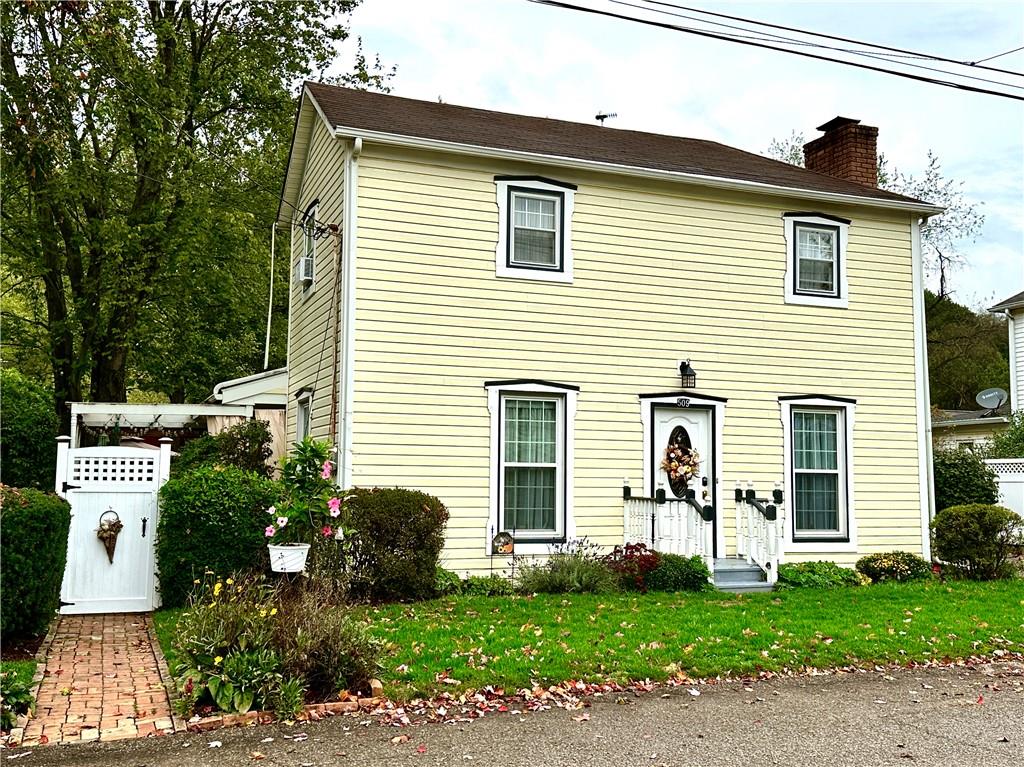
column 679, row 463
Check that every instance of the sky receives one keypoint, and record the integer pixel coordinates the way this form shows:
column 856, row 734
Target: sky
column 517, row 56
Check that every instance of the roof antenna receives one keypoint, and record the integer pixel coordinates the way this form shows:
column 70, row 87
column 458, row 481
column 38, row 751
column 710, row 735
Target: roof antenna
column 602, row 116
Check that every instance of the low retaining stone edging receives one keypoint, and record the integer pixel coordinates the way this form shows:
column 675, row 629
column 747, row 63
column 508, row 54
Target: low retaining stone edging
column 311, row 712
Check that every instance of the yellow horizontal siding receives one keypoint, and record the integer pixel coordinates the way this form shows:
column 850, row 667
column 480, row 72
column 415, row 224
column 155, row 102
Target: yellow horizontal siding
column 662, row 272
column 314, row 314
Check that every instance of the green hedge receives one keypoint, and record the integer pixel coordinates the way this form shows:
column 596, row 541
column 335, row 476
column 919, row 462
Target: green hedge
column 33, row 551
column 679, row 573
column 28, row 432
column 398, row 539
column 816, row 575
column 962, row 477
column 211, row 519
column 977, row 539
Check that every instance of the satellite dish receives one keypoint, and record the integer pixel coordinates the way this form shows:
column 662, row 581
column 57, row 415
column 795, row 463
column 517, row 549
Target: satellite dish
column 992, row 399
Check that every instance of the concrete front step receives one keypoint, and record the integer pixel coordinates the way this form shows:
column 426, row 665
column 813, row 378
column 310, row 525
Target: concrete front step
column 739, row 577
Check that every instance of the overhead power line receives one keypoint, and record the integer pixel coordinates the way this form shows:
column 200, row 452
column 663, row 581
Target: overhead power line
column 997, row 56
column 772, row 38
column 805, row 54
column 842, row 39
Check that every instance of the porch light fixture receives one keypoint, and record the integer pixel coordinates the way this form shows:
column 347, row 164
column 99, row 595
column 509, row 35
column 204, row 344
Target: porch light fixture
column 687, row 375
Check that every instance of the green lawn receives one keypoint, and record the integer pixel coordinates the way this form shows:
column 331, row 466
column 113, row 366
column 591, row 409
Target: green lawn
column 515, row 641
column 23, row 670
column 164, row 622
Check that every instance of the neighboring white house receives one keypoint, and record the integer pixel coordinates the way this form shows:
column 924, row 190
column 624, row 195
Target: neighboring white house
column 1013, row 308
column 972, row 429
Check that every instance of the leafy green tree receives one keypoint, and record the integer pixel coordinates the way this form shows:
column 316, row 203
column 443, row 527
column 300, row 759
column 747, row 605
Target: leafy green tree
column 1009, row 443
column 28, row 430
column 143, row 146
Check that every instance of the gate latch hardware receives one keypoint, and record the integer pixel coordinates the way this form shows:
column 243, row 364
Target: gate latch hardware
column 65, row 487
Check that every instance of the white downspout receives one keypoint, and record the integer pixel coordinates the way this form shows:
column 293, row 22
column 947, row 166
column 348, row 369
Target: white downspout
column 346, row 373
column 924, row 413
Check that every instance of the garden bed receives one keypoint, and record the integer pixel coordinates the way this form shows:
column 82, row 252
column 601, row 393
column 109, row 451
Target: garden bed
column 459, row 643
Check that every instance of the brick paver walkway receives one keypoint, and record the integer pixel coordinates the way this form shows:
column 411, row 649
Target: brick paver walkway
column 102, row 682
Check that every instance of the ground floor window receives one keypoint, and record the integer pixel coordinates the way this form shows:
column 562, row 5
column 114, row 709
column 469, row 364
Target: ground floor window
column 819, row 473
column 531, row 444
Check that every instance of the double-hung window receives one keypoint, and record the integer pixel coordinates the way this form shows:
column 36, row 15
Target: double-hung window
column 303, row 414
column 534, row 228
column 818, row 433
column 532, row 463
column 531, row 459
column 306, row 264
column 816, row 259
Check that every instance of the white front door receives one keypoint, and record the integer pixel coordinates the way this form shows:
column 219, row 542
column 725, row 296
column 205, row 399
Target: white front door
column 111, row 483
column 690, row 427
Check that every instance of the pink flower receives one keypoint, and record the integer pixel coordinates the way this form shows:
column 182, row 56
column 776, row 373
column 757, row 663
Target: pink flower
column 334, row 506
column 326, row 471
column 327, row 531
column 272, row 510
column 282, row 521
column 269, row 532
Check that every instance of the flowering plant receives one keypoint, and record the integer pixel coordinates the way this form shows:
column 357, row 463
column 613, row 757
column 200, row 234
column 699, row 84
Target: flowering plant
column 680, row 463
column 313, row 507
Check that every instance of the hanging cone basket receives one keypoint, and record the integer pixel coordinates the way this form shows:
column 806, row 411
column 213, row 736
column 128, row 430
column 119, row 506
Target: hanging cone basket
column 110, row 528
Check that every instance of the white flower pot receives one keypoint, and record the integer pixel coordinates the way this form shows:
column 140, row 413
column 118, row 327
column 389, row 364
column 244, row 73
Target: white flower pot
column 288, row 557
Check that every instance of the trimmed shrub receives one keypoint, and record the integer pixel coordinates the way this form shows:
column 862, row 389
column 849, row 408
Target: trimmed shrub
column 28, row 432
column 632, row 563
column 398, row 535
column 447, row 582
column 678, row 573
column 894, row 566
column 33, row 553
column 211, row 519
column 245, row 446
column 15, row 699
column 487, row 586
column 977, row 539
column 962, row 477
column 816, row 575
column 576, row 567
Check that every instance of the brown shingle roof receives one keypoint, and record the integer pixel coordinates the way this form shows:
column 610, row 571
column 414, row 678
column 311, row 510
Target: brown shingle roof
column 344, row 107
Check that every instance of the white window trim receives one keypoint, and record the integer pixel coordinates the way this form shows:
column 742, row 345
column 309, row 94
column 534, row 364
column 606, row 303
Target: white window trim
column 792, row 296
column 563, row 238
column 568, row 398
column 310, row 216
column 303, row 399
column 848, row 542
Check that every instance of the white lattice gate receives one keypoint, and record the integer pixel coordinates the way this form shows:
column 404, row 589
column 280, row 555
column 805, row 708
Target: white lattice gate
column 114, row 488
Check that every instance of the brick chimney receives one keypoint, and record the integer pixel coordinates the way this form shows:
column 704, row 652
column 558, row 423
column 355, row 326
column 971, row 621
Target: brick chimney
column 848, row 150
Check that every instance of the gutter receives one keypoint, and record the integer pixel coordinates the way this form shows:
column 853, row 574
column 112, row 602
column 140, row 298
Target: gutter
column 346, row 339
column 415, row 142
column 971, row 422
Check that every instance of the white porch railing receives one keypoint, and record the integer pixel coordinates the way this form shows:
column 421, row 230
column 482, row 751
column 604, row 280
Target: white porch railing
column 671, row 527
column 760, row 528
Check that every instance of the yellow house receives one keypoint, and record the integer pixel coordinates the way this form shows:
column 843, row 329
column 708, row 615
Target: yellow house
column 526, row 317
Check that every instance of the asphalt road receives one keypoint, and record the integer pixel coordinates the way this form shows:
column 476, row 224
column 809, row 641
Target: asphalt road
column 948, row 716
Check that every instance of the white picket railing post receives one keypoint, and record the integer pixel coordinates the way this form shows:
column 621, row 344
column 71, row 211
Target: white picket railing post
column 60, row 476
column 165, row 461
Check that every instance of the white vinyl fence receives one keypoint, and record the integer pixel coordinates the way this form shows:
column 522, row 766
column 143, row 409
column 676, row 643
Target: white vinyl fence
column 1010, row 473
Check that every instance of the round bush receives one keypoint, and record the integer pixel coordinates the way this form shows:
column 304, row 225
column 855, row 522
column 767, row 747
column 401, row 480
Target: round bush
column 962, row 477
column 816, row 575
column 33, row 552
column 211, row 519
column 977, row 539
column 28, row 432
column 398, row 538
column 679, row 573
column 894, row 566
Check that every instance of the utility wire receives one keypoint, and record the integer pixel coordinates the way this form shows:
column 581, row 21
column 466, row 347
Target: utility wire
column 842, row 39
column 997, row 56
column 768, row 37
column 717, row 36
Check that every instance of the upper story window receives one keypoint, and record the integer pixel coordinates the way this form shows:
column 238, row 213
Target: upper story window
column 306, row 264
column 816, row 259
column 303, row 413
column 534, row 228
